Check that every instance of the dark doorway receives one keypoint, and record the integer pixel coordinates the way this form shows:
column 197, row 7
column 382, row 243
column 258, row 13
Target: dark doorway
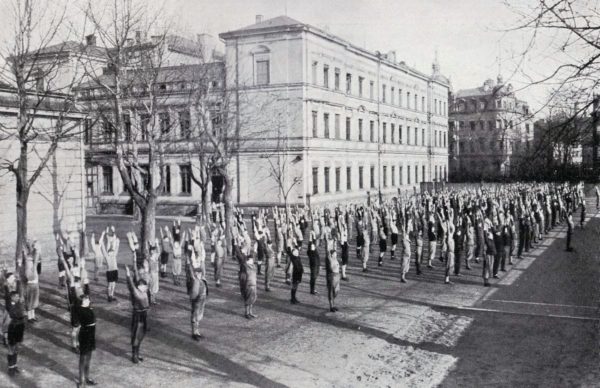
column 218, row 184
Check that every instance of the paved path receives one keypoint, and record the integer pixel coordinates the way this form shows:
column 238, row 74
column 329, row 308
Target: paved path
column 538, row 325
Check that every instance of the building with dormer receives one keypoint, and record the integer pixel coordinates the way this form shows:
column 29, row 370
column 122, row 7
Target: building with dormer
column 490, row 130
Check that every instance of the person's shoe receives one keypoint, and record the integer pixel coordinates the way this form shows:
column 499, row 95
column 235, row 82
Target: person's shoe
column 468, row 267
column 402, row 280
column 430, row 266
column 267, row 289
column 252, row 316
column 332, row 310
column 32, row 321
column 314, row 292
column 91, row 382
column 346, row 279
column 365, row 270
column 288, row 281
column 12, row 372
column 293, row 301
column 135, row 359
column 457, row 275
column 218, row 285
column 140, row 357
column 503, row 269
column 487, row 284
column 419, row 272
column 380, row 263
column 448, row 282
column 247, row 316
column 496, row 277
column 196, row 337
column 335, row 309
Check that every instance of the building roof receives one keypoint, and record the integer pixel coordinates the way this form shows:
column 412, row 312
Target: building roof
column 285, row 22
column 71, row 46
column 279, row 21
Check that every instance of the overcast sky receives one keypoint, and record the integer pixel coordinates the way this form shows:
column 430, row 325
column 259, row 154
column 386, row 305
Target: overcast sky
column 469, row 35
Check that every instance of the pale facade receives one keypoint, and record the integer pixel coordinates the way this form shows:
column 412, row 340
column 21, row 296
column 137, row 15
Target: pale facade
column 354, row 120
column 57, row 198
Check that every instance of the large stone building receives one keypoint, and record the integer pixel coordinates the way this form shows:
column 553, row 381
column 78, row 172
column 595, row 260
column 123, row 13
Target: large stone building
column 341, row 120
column 490, row 131
column 57, row 198
column 308, row 117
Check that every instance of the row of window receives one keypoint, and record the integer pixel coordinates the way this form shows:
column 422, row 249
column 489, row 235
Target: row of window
column 482, row 146
column 483, row 105
column 491, row 125
column 185, row 179
column 158, row 88
column 395, row 96
column 168, row 123
column 396, row 177
column 396, row 133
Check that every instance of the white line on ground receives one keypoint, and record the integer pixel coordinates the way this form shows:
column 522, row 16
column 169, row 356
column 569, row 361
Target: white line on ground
column 529, row 314
column 543, row 304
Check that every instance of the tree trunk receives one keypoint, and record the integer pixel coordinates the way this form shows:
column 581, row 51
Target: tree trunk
column 22, row 198
column 148, row 224
column 205, row 204
column 228, row 200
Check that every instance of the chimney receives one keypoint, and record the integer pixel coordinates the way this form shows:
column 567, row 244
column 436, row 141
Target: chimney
column 90, row 40
column 259, row 19
column 391, row 56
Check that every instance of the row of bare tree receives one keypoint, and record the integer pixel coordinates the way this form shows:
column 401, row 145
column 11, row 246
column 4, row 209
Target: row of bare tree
column 115, row 78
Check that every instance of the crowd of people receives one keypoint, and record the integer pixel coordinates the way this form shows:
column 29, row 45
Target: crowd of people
column 491, row 224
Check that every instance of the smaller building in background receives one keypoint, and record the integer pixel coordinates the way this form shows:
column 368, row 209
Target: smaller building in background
column 491, row 130
column 57, row 198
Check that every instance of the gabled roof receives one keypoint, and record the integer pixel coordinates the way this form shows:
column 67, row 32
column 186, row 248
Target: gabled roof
column 279, row 21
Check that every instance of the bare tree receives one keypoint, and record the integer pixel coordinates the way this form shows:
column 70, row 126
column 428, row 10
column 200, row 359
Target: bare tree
column 565, row 129
column 228, row 124
column 279, row 158
column 36, row 85
column 563, row 43
column 136, row 92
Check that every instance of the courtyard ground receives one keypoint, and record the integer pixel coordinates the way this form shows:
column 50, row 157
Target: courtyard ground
column 537, row 326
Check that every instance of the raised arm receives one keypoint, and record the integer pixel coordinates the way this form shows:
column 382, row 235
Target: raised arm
column 130, row 282
column 67, row 269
